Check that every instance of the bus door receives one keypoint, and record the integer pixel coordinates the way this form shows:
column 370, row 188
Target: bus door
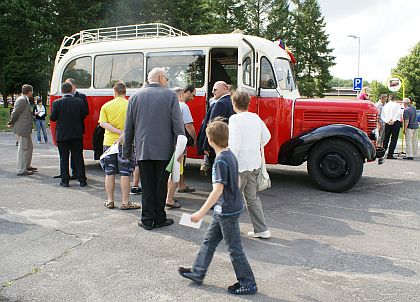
column 247, row 72
column 270, row 105
column 223, row 66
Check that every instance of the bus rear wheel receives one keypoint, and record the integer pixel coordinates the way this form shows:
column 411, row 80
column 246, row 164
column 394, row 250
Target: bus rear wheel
column 335, row 165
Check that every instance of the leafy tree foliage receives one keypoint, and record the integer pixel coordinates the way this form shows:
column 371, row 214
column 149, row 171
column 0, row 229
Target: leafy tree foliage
column 31, row 31
column 408, row 67
column 279, row 20
column 376, row 89
column 310, row 46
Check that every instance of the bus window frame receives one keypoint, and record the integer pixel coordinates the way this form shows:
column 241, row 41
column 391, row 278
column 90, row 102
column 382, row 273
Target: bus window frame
column 118, row 53
column 203, row 52
column 71, row 60
column 273, row 72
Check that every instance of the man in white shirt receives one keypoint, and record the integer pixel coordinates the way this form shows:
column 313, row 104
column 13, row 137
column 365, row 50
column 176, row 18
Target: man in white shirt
column 184, row 95
column 391, row 116
column 381, row 125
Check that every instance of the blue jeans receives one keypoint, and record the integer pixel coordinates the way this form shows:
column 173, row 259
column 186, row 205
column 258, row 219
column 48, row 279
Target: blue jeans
column 224, row 227
column 40, row 124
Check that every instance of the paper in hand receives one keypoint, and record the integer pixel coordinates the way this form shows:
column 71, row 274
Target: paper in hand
column 111, row 150
column 186, row 220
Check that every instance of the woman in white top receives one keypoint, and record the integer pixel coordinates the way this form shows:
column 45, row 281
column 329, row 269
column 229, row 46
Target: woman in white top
column 247, row 132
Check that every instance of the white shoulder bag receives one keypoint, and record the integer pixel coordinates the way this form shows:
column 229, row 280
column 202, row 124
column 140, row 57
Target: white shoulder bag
column 263, row 179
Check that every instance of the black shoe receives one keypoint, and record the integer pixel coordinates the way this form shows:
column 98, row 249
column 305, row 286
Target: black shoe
column 186, row 273
column 26, row 173
column 391, row 157
column 163, row 224
column 237, row 289
column 83, row 183
column 146, row 227
column 135, row 191
column 57, row 176
column 64, row 184
column 409, row 158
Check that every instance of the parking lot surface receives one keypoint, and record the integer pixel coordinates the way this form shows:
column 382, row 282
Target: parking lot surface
column 62, row 244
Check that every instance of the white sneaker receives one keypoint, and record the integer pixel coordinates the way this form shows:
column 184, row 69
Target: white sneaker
column 265, row 234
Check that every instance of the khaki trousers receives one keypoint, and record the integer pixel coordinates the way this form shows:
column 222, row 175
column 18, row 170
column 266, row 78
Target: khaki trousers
column 248, row 187
column 24, row 153
column 411, row 142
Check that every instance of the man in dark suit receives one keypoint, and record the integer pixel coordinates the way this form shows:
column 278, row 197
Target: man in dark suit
column 81, row 96
column 154, row 120
column 223, row 108
column 69, row 113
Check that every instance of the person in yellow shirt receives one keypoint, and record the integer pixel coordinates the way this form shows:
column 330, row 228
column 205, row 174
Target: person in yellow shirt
column 112, row 119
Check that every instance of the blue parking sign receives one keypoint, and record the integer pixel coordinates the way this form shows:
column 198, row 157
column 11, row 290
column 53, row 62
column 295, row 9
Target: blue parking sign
column 357, row 84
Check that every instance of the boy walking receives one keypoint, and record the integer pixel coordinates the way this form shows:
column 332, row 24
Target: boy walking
column 228, row 205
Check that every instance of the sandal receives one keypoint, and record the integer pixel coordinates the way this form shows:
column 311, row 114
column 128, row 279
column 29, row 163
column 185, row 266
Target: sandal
column 130, row 206
column 175, row 205
column 187, row 189
column 109, row 204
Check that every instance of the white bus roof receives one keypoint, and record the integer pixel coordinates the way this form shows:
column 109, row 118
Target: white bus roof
column 169, row 43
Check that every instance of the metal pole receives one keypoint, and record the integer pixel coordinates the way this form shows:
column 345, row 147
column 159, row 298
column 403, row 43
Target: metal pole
column 358, row 60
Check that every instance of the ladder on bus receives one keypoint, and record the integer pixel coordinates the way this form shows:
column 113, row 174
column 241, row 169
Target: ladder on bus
column 128, row 32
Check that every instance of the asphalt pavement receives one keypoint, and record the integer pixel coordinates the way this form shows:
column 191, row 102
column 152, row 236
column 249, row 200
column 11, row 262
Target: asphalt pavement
column 62, row 244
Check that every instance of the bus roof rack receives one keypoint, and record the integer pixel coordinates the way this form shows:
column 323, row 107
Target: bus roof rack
column 128, row 32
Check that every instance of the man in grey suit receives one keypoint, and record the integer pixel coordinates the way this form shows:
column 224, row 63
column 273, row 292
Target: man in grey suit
column 154, row 120
column 21, row 121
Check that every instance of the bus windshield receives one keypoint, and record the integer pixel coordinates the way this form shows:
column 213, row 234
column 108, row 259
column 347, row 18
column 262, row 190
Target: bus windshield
column 284, row 73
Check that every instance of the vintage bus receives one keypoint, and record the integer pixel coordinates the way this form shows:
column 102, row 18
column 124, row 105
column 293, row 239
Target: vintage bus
column 336, row 137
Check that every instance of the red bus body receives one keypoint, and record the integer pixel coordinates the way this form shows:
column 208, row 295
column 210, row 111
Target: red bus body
column 297, row 126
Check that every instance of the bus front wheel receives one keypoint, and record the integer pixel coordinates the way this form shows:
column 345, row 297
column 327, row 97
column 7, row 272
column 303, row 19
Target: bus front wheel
column 335, row 165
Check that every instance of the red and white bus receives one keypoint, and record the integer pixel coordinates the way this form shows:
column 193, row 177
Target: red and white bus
column 336, row 137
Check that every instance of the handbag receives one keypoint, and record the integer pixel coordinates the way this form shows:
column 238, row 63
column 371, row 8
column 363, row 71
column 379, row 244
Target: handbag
column 263, row 179
column 190, row 140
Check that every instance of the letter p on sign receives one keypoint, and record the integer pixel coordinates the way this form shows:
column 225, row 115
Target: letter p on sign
column 357, row 84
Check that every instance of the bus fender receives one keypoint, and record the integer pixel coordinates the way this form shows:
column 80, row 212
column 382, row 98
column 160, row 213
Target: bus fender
column 295, row 151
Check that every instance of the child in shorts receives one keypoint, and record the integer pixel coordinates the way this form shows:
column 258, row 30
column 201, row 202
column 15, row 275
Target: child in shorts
column 228, row 205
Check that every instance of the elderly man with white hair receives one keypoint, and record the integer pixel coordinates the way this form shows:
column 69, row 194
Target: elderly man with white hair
column 154, row 120
column 411, row 127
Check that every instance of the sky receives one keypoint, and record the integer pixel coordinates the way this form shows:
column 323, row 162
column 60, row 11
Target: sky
column 388, row 29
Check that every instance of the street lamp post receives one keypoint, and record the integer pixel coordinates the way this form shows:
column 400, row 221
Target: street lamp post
column 358, row 56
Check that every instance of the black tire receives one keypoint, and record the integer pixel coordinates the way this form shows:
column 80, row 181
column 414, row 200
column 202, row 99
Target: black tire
column 335, row 165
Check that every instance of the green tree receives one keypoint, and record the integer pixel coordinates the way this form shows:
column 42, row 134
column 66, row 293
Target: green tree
column 279, row 21
column 376, row 89
column 337, row 82
column 257, row 17
column 408, row 67
column 309, row 44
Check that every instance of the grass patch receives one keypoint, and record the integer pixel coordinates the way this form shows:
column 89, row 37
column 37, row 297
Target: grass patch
column 5, row 117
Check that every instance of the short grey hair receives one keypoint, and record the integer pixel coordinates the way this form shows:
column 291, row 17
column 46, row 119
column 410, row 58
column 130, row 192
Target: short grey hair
column 178, row 90
column 407, row 101
column 154, row 74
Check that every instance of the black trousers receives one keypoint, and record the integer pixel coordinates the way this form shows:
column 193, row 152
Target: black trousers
column 391, row 131
column 75, row 148
column 154, row 181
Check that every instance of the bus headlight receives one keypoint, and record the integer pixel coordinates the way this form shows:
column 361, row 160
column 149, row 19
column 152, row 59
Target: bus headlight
column 374, row 134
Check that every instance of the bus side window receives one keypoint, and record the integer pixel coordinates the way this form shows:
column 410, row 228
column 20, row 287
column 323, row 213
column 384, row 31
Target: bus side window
column 267, row 78
column 112, row 68
column 80, row 70
column 247, row 72
column 183, row 67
